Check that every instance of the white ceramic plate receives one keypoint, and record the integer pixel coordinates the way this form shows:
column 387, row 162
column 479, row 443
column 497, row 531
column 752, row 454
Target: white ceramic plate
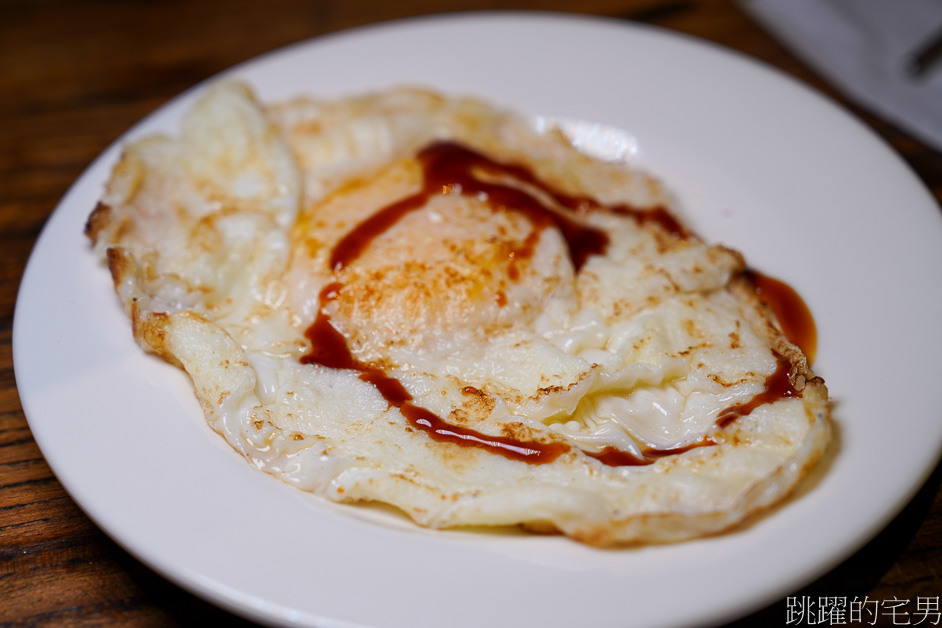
column 758, row 162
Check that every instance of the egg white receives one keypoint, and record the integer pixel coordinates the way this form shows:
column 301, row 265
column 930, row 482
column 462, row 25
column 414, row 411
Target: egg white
column 219, row 241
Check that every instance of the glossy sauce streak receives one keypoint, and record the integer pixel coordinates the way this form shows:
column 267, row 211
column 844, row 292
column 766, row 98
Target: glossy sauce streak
column 777, row 386
column 790, row 310
column 797, row 325
column 449, row 168
column 618, row 458
column 528, row 451
column 329, row 348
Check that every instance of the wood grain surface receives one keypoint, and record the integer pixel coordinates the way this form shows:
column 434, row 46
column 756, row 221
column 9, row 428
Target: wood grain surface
column 74, row 75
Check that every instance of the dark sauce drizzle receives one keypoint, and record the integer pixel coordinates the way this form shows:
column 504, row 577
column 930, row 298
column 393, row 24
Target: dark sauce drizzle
column 777, row 386
column 790, row 310
column 617, row 458
column 798, row 326
column 449, row 168
column 329, row 348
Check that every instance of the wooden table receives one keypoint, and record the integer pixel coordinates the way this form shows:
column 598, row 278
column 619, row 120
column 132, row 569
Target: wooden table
column 76, row 74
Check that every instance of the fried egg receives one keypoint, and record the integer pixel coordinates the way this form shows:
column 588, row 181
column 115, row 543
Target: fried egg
column 432, row 303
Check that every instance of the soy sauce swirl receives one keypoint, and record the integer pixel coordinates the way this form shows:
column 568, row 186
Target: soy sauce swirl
column 449, row 167
column 329, row 348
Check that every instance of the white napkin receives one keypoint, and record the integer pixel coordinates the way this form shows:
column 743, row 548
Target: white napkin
column 863, row 47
